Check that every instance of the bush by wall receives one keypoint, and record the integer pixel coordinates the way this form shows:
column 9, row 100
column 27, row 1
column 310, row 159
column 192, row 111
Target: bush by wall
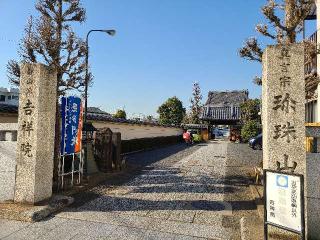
column 249, row 130
column 147, row 143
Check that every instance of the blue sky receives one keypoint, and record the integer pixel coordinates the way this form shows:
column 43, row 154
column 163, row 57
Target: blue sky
column 161, row 48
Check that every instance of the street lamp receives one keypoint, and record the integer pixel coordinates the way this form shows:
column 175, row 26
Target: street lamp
column 110, row 32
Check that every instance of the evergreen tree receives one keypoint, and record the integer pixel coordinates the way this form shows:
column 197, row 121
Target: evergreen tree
column 250, row 111
column 196, row 105
column 171, row 112
column 120, row 114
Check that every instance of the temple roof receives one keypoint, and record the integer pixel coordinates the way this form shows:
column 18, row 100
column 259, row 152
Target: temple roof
column 219, row 99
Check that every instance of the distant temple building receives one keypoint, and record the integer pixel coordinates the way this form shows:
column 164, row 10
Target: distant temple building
column 224, row 107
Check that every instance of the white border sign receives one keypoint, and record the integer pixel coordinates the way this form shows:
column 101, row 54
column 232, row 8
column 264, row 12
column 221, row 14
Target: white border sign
column 283, row 193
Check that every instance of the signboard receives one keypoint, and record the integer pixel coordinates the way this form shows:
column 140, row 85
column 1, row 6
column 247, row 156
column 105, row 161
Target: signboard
column 71, row 112
column 284, row 201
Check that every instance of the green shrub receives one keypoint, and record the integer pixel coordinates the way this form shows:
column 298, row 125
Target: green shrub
column 250, row 130
column 197, row 137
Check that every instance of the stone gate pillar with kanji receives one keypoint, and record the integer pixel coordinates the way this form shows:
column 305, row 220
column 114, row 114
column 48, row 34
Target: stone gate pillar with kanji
column 283, row 120
column 36, row 132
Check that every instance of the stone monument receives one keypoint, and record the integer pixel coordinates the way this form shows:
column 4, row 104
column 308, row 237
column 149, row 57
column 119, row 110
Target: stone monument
column 36, row 132
column 283, row 120
column 116, row 143
column 103, row 149
column 283, row 108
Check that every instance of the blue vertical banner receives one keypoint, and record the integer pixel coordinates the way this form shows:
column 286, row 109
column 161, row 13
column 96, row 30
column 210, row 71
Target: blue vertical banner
column 70, row 113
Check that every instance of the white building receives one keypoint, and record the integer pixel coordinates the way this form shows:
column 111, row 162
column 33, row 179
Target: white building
column 9, row 96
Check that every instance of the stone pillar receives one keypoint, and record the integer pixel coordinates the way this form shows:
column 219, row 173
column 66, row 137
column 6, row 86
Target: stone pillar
column 116, row 142
column 103, row 149
column 36, row 131
column 283, row 107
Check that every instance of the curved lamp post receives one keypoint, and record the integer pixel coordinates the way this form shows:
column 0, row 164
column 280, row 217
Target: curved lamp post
column 110, row 32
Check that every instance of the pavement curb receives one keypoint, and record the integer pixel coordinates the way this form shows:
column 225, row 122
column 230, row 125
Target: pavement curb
column 257, row 195
column 251, row 228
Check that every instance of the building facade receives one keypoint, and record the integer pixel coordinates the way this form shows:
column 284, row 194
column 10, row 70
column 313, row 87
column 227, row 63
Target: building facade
column 224, row 107
column 312, row 104
column 9, row 96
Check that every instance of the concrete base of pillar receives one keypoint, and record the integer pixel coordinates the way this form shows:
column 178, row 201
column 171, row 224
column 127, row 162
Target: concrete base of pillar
column 313, row 219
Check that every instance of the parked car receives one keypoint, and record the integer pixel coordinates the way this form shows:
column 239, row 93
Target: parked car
column 218, row 132
column 256, row 142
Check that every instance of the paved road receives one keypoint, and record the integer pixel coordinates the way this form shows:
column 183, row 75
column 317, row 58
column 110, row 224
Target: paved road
column 200, row 192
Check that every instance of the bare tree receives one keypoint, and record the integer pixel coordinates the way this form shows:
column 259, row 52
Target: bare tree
column 50, row 40
column 282, row 30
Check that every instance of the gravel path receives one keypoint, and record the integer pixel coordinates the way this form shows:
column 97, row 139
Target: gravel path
column 197, row 192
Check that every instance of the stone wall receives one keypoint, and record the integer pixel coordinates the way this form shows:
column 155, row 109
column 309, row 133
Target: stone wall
column 128, row 131
column 148, row 143
column 8, row 147
column 312, row 183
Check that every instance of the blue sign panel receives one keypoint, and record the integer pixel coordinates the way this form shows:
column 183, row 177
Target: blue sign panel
column 282, row 181
column 71, row 113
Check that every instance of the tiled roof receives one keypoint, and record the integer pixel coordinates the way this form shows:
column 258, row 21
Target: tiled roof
column 196, row 126
column 105, row 118
column 6, row 108
column 221, row 113
column 220, row 99
column 97, row 110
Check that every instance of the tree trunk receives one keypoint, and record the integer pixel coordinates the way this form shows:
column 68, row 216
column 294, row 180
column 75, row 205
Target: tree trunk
column 56, row 63
column 57, row 141
column 289, row 19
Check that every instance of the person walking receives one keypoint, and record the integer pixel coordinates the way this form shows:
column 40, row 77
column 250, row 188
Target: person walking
column 187, row 137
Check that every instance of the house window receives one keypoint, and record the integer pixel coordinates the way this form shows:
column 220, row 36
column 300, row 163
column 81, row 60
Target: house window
column 9, row 97
column 15, row 97
column 2, row 98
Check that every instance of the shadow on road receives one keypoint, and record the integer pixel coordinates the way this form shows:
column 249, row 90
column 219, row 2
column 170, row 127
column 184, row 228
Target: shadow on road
column 137, row 163
column 155, row 185
column 152, row 156
column 118, row 204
